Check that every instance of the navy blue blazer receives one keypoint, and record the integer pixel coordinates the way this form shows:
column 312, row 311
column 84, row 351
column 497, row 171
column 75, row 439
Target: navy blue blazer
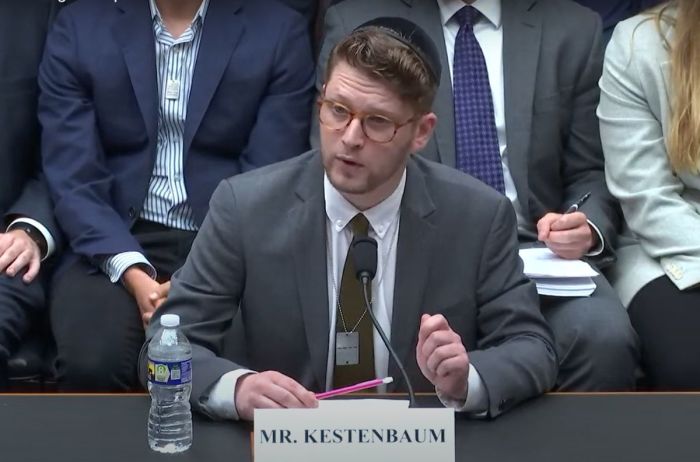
column 249, row 106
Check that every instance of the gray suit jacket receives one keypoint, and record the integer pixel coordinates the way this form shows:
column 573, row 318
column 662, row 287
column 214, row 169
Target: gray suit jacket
column 661, row 209
column 552, row 59
column 262, row 248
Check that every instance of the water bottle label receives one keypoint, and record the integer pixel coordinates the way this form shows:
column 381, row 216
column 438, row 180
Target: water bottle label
column 170, row 373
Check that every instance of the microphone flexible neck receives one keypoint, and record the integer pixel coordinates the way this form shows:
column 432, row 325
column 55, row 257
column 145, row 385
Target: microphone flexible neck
column 366, row 281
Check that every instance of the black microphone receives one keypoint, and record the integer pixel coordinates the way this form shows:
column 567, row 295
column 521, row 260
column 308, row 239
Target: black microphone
column 363, row 251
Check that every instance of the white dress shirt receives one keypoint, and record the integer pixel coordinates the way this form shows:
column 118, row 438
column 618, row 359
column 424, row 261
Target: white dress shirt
column 489, row 33
column 384, row 227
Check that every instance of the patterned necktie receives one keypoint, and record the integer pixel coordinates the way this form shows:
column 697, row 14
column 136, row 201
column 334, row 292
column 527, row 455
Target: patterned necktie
column 478, row 152
column 351, row 317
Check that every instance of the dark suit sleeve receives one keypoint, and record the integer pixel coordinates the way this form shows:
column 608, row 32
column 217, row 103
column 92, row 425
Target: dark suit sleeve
column 35, row 203
column 582, row 159
column 24, row 191
column 515, row 355
column 23, row 27
column 205, row 292
column 72, row 153
column 282, row 127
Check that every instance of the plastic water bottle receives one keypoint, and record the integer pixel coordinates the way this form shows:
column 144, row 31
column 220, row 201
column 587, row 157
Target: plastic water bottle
column 170, row 385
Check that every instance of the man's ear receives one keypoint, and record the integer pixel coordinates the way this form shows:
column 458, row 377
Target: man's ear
column 424, row 130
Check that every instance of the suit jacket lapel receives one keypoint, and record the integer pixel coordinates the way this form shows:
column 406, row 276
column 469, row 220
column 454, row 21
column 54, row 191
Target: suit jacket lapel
column 414, row 253
column 133, row 31
column 522, row 30
column 309, row 241
column 427, row 15
column 222, row 29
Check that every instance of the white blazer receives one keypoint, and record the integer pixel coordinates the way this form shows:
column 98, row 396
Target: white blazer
column 662, row 210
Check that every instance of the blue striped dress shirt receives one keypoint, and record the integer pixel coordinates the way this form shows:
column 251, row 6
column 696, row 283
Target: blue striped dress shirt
column 166, row 199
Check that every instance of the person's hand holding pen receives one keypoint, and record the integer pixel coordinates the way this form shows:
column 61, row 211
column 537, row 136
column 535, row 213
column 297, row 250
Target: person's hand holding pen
column 568, row 234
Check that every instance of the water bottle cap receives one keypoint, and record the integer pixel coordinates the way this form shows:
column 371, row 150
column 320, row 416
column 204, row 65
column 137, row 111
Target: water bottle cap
column 170, row 320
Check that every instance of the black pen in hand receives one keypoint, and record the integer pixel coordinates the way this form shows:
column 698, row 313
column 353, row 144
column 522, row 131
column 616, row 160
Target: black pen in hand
column 577, row 205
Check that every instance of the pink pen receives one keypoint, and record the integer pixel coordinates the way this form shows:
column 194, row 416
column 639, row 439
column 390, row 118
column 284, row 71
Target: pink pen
column 356, row 387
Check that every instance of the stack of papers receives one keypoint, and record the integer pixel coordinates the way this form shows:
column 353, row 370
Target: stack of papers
column 556, row 276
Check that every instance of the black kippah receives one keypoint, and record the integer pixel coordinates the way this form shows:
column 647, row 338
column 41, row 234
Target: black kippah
column 413, row 36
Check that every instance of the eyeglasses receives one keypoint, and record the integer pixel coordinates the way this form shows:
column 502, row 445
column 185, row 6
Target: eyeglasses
column 377, row 128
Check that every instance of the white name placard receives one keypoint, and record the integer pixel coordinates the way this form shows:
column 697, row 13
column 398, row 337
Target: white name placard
column 364, row 434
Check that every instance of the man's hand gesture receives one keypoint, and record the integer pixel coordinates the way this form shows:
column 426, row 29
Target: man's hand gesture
column 442, row 357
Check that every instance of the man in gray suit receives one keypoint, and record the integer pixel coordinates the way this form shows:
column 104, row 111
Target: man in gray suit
column 541, row 62
column 461, row 315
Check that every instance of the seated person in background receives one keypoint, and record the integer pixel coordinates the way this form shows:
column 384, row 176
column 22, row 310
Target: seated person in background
column 614, row 11
column 516, row 105
column 650, row 127
column 28, row 232
column 449, row 291
column 145, row 107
